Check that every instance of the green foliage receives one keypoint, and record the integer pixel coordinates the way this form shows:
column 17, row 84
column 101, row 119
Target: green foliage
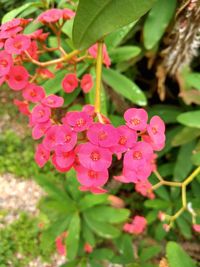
column 177, row 257
column 190, row 118
column 96, row 19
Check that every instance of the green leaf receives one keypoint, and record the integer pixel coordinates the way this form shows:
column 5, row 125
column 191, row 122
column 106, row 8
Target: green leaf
column 72, row 240
column 15, row 12
column 124, row 86
column 149, row 253
column 157, row 21
column 177, row 257
column 108, row 214
column 156, row 204
column 124, row 245
column 102, row 254
column 89, row 201
column 54, row 85
column 95, row 19
column 184, row 136
column 193, row 79
column 124, row 53
column 168, row 113
column 88, row 234
column 196, row 158
column 183, row 163
column 184, row 227
column 191, row 118
column 102, row 229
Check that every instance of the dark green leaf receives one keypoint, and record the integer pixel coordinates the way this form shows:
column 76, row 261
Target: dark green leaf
column 124, row 53
column 191, row 118
column 156, row 204
column 125, row 87
column 157, row 21
column 95, row 19
column 149, row 253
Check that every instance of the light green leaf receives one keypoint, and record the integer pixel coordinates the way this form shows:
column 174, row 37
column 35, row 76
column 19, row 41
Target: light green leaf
column 72, row 240
column 15, row 12
column 95, row 19
column 102, row 229
column 108, row 214
column 89, row 201
column 192, row 79
column 124, row 86
column 157, row 21
column 177, row 257
column 196, row 158
column 190, row 118
column 124, row 53
column 157, row 204
column 149, row 253
column 186, row 135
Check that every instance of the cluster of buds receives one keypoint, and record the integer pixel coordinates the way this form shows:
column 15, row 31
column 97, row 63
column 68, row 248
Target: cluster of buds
column 137, row 226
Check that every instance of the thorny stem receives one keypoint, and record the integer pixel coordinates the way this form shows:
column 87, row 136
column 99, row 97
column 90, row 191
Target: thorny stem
column 183, row 186
column 97, row 105
column 67, row 57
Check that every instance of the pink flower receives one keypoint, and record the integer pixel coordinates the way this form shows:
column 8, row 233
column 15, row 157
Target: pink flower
column 66, row 138
column 10, row 28
column 104, row 135
column 137, row 225
column 196, row 228
column 22, row 106
column 17, row 78
column 53, row 101
column 126, row 139
column 88, row 248
column 138, row 174
column 51, row 15
column 140, row 154
column 42, row 155
column 91, row 178
column 40, row 114
column 93, row 52
column 68, row 14
column 60, row 244
column 52, row 137
column 145, row 189
column 17, row 44
column 86, row 83
column 89, row 109
column 161, row 216
column 64, row 159
column 94, row 157
column 33, row 93
column 156, row 131
column 166, row 227
column 5, row 63
column 80, row 121
column 58, row 168
column 40, row 129
column 136, row 119
column 45, row 73
column 32, row 50
column 94, row 190
column 70, row 82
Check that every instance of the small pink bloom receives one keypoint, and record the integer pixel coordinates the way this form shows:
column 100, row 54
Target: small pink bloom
column 33, row 93
column 196, row 228
column 136, row 119
column 66, row 138
column 86, row 83
column 22, row 106
column 161, row 216
column 166, row 227
column 94, row 157
column 42, row 155
column 52, row 137
column 138, row 173
column 51, row 15
column 80, row 121
column 70, row 82
column 58, row 168
column 32, row 50
column 64, row 159
column 17, row 78
column 45, row 73
column 145, row 189
column 156, row 131
column 141, row 153
column 93, row 52
column 90, row 178
column 5, row 63
column 88, row 248
column 40, row 129
column 53, row 101
column 137, row 225
column 18, row 44
column 40, row 114
column 10, row 28
column 68, row 14
column 126, row 139
column 89, row 109
column 94, row 190
column 60, row 244
column 104, row 135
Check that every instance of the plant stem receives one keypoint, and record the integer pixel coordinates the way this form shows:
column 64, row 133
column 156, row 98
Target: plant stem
column 97, row 105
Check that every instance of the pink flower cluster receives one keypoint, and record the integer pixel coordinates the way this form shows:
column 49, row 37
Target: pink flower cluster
column 79, row 142
column 55, row 14
column 137, row 225
column 71, row 82
column 60, row 244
